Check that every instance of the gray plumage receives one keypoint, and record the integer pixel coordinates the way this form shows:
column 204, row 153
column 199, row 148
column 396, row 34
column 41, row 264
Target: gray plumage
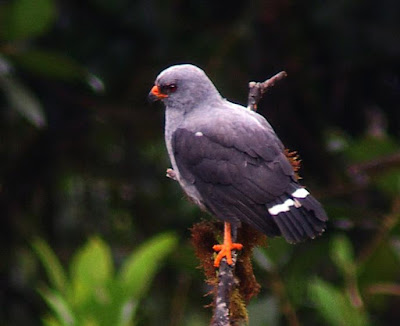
column 230, row 162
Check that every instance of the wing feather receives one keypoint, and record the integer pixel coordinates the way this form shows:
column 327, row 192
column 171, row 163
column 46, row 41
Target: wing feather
column 242, row 175
column 235, row 176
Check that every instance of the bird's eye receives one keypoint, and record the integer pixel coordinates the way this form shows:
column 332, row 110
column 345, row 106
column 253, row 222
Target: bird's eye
column 168, row 88
column 172, row 88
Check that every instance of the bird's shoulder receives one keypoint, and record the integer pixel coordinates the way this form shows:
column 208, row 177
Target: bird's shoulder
column 217, row 115
column 227, row 126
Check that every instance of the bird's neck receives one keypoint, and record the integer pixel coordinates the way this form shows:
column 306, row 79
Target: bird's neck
column 177, row 112
column 173, row 118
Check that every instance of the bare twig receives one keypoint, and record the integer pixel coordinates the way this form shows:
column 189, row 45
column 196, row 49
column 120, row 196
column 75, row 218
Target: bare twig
column 257, row 90
column 384, row 288
column 353, row 291
column 375, row 166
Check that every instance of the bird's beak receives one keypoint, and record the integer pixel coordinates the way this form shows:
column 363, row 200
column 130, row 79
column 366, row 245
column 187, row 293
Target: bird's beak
column 155, row 94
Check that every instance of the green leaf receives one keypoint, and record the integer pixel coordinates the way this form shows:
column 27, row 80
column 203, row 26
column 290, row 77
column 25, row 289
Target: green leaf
column 91, row 270
column 50, row 321
column 388, row 181
column 23, row 101
column 342, row 254
column 59, row 306
column 50, row 64
column 381, row 266
column 369, row 148
column 127, row 312
column 54, row 270
column 139, row 269
column 377, row 147
column 28, row 18
column 329, row 300
column 91, row 321
column 334, row 305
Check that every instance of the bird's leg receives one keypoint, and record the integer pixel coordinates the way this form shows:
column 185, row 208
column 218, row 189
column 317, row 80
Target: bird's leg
column 225, row 249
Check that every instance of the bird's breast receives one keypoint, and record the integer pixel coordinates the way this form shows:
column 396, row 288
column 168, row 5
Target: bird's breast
column 172, row 122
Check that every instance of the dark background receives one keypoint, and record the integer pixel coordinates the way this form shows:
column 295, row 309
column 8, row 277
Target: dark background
column 93, row 160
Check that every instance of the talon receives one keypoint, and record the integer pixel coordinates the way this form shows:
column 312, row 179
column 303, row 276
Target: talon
column 225, row 249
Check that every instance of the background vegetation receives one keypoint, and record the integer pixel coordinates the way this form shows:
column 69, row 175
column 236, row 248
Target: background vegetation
column 83, row 197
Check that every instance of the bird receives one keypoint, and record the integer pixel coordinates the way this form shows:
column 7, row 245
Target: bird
column 230, row 162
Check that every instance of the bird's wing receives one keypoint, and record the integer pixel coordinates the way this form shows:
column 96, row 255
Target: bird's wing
column 238, row 168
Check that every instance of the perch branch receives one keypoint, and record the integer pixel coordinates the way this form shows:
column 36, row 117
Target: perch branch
column 257, row 90
column 226, row 284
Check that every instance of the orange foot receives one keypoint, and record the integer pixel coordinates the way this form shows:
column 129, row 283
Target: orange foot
column 225, row 250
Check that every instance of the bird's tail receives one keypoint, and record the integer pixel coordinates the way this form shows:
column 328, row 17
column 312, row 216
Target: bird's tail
column 298, row 215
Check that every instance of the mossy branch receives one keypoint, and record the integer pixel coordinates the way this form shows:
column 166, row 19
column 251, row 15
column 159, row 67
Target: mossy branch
column 232, row 286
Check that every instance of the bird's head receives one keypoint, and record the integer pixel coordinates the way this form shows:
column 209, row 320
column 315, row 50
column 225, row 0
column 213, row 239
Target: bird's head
column 183, row 86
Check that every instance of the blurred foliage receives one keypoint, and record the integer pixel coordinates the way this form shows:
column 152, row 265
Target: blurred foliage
column 334, row 306
column 82, row 153
column 337, row 307
column 93, row 294
column 25, row 19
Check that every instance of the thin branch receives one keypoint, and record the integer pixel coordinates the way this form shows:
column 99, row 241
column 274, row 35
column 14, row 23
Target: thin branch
column 374, row 166
column 353, row 290
column 257, row 90
column 384, row 288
